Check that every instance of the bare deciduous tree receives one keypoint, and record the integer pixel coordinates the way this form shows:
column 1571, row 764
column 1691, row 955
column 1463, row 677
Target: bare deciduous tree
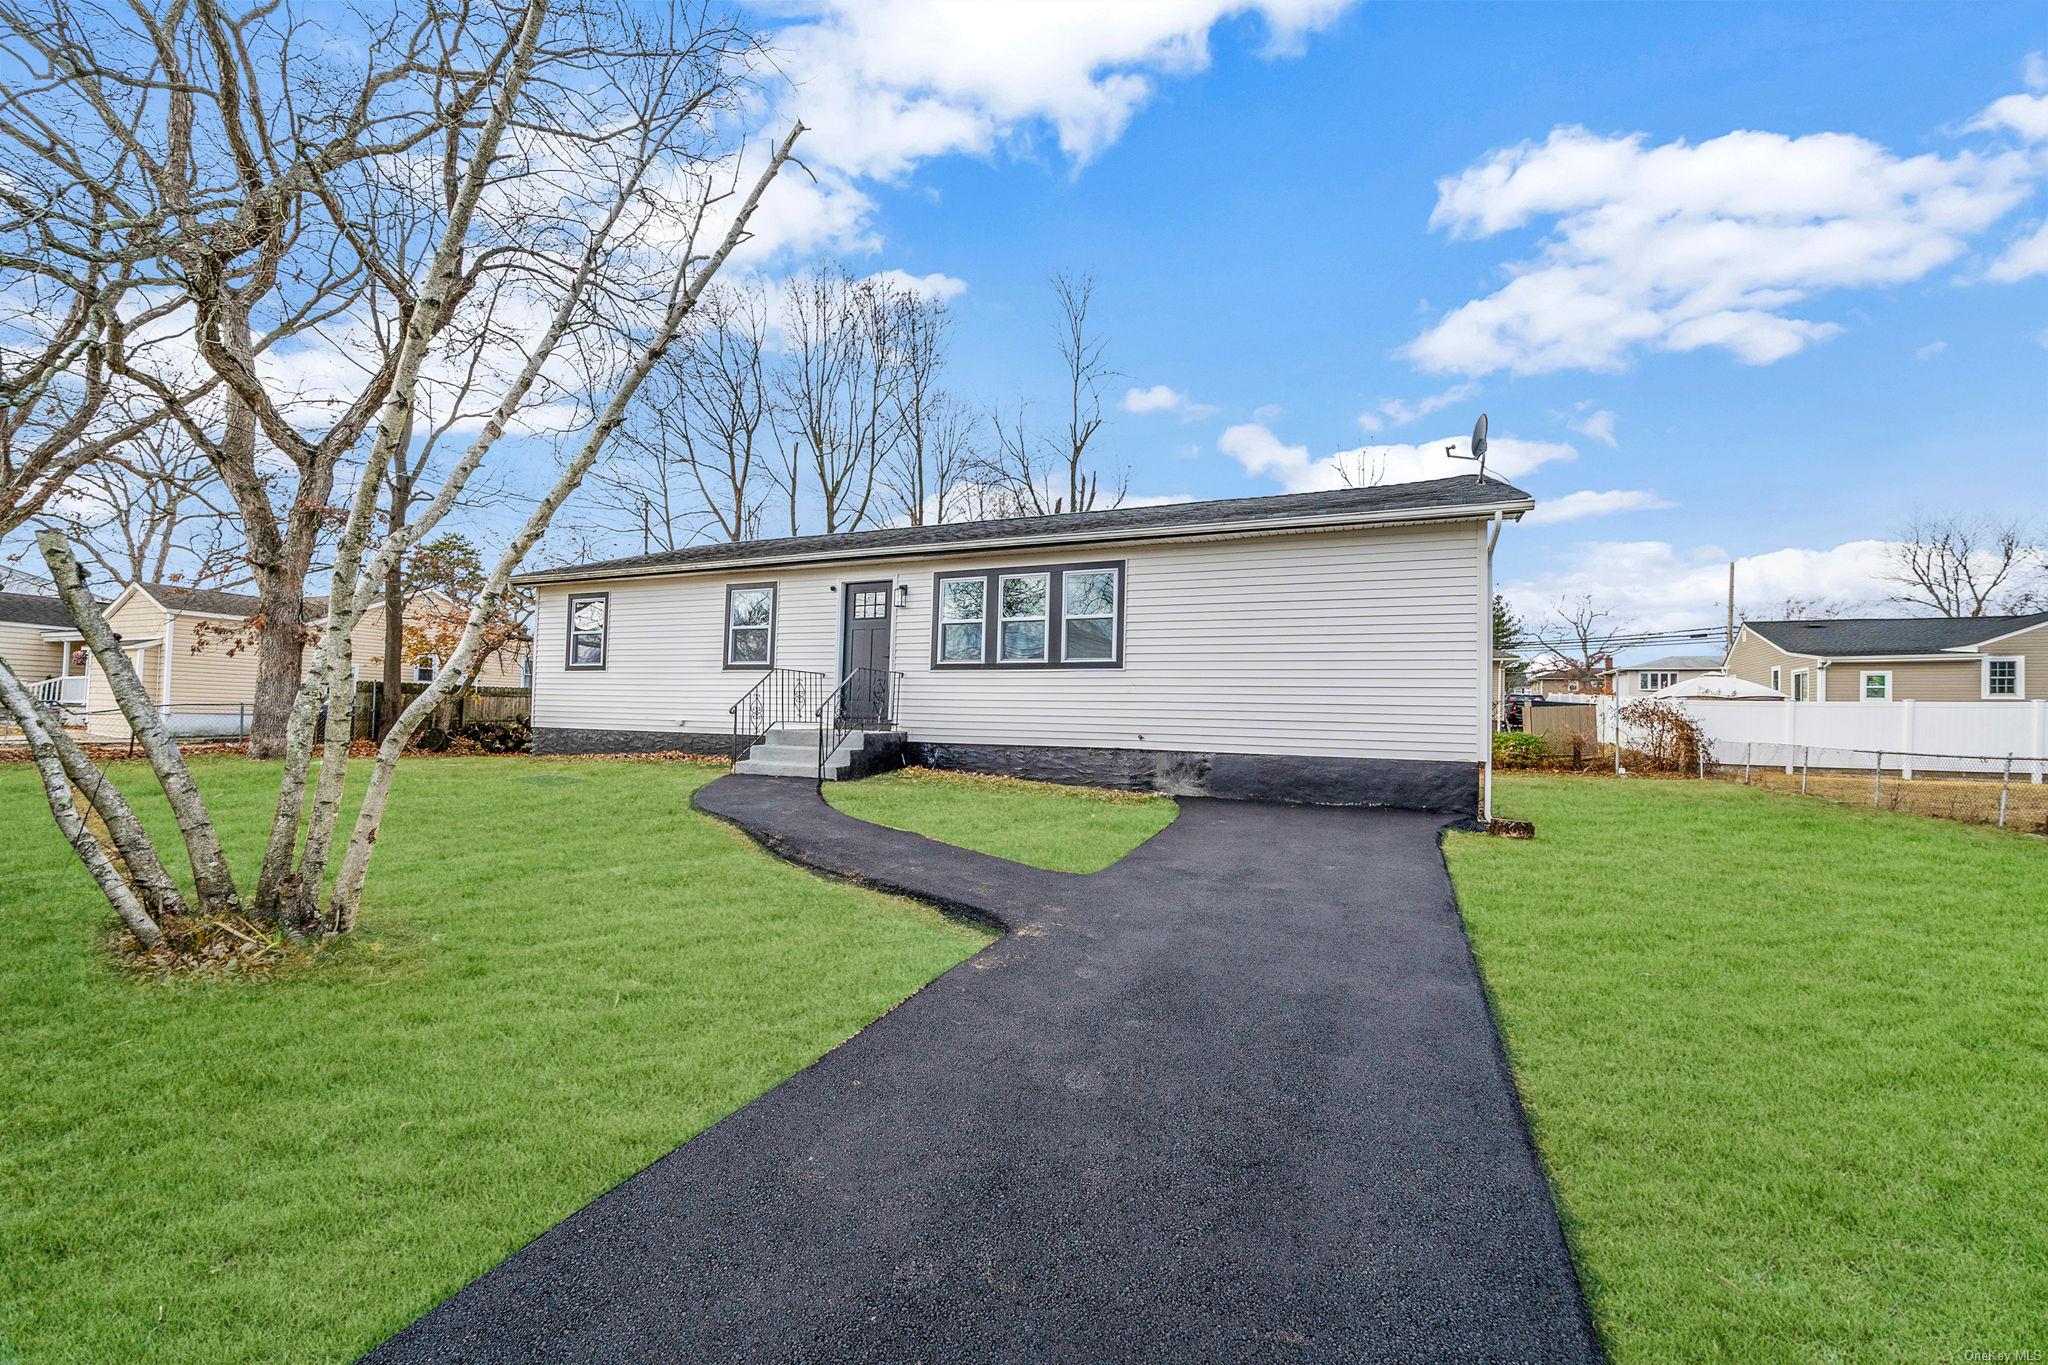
column 1026, row 475
column 1582, row 637
column 690, row 464
column 835, row 390
column 155, row 515
column 516, row 203
column 1969, row 566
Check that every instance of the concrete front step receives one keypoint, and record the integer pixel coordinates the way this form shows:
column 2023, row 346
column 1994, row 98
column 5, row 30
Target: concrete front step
column 786, row 767
column 794, row 753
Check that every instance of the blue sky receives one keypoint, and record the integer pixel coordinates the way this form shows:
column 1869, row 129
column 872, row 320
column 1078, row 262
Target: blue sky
column 1260, row 226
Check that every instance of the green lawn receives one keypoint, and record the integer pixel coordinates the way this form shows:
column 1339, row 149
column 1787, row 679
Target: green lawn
column 1066, row 829
column 1787, row 1061
column 568, row 973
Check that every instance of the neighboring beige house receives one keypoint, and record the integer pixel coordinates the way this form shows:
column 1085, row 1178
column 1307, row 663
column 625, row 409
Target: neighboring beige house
column 25, row 621
column 194, row 654
column 1634, row 681
column 1567, row 683
column 1914, row 658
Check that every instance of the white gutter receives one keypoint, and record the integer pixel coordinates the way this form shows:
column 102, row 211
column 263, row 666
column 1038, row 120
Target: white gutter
column 1189, row 530
column 1487, row 672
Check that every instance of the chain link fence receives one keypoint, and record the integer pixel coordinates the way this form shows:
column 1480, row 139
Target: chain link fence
column 2006, row 790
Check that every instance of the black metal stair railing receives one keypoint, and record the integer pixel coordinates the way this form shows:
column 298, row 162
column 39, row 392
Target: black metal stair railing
column 864, row 700
column 783, row 695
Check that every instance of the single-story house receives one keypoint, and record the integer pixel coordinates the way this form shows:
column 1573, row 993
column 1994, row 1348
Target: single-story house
column 25, row 619
column 1327, row 647
column 193, row 651
column 1904, row 658
column 1634, row 681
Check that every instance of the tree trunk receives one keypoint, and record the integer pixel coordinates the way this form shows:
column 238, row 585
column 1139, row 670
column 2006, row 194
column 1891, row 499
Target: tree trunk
column 210, row 873
column 280, row 666
column 152, row 883
column 391, row 694
column 57, row 788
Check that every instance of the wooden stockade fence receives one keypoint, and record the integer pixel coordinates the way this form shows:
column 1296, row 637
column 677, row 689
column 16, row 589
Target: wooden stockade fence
column 469, row 706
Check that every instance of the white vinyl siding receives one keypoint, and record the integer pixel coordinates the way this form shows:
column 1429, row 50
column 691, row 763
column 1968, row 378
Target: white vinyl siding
column 1356, row 643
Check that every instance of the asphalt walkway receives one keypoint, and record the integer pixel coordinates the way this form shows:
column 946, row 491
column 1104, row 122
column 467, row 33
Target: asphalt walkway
column 1238, row 1096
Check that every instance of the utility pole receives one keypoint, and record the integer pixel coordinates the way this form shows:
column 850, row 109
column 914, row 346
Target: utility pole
column 1731, row 606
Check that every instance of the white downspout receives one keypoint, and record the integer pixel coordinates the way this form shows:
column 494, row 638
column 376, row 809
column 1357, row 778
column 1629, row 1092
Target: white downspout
column 1487, row 701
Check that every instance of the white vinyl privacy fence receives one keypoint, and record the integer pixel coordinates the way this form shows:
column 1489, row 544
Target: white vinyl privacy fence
column 1900, row 736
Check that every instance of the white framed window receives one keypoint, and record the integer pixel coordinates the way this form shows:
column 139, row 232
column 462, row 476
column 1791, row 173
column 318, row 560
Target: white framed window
column 1088, row 615
column 424, row 668
column 1799, row 684
column 1777, row 680
column 750, row 625
column 1655, row 682
column 1876, row 686
column 1024, row 600
column 2005, row 677
column 526, row 671
column 589, row 623
column 963, row 619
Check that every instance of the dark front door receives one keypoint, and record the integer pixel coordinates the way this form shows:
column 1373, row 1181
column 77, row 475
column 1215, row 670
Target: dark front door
column 866, row 701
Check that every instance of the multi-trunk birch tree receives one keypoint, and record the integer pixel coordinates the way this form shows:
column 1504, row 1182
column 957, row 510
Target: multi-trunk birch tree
column 508, row 213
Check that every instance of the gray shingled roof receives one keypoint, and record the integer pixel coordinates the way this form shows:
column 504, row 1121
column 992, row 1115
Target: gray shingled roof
column 1675, row 662
column 31, row 609
column 213, row 602
column 1461, row 493
column 1889, row 636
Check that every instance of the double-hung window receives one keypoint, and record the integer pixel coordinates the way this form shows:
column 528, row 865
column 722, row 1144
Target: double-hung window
column 2005, row 678
column 424, row 669
column 963, row 615
column 1049, row 616
column 750, row 626
column 589, row 617
column 1026, row 602
column 1088, row 615
column 1877, row 687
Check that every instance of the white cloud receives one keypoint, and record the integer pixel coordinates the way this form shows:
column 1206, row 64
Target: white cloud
column 1654, row 585
column 1597, row 423
column 2025, row 259
column 1265, row 455
column 1588, row 503
column 2026, row 115
column 1401, row 413
column 886, row 84
column 1683, row 246
column 932, row 286
column 1268, row 412
column 1930, row 350
column 1164, row 398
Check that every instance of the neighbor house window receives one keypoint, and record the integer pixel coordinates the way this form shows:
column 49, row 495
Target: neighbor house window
column 1799, row 684
column 963, row 614
column 750, row 626
column 589, row 615
column 2005, row 678
column 424, row 670
column 1026, row 600
column 526, row 672
column 1054, row 616
column 1877, row 687
column 1777, row 680
column 1088, row 615
column 1655, row 682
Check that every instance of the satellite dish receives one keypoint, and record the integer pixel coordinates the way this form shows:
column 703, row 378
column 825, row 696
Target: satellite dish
column 1477, row 450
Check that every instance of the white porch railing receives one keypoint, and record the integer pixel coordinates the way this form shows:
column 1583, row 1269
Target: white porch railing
column 61, row 691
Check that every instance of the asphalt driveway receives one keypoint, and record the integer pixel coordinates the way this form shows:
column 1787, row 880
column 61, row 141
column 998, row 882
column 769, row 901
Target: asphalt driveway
column 1237, row 1096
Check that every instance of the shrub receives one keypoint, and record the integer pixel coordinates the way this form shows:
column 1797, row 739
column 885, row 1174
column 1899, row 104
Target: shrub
column 1512, row 750
column 1664, row 738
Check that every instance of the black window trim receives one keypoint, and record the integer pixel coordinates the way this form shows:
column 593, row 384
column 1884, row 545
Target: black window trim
column 1055, row 623
column 774, row 623
column 604, row 649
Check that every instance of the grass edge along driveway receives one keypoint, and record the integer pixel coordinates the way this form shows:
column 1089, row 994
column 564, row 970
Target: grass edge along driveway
column 567, row 972
column 1787, row 1063
column 1039, row 824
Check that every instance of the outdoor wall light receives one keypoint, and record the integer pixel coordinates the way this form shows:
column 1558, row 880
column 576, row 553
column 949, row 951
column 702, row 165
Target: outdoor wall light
column 902, row 594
